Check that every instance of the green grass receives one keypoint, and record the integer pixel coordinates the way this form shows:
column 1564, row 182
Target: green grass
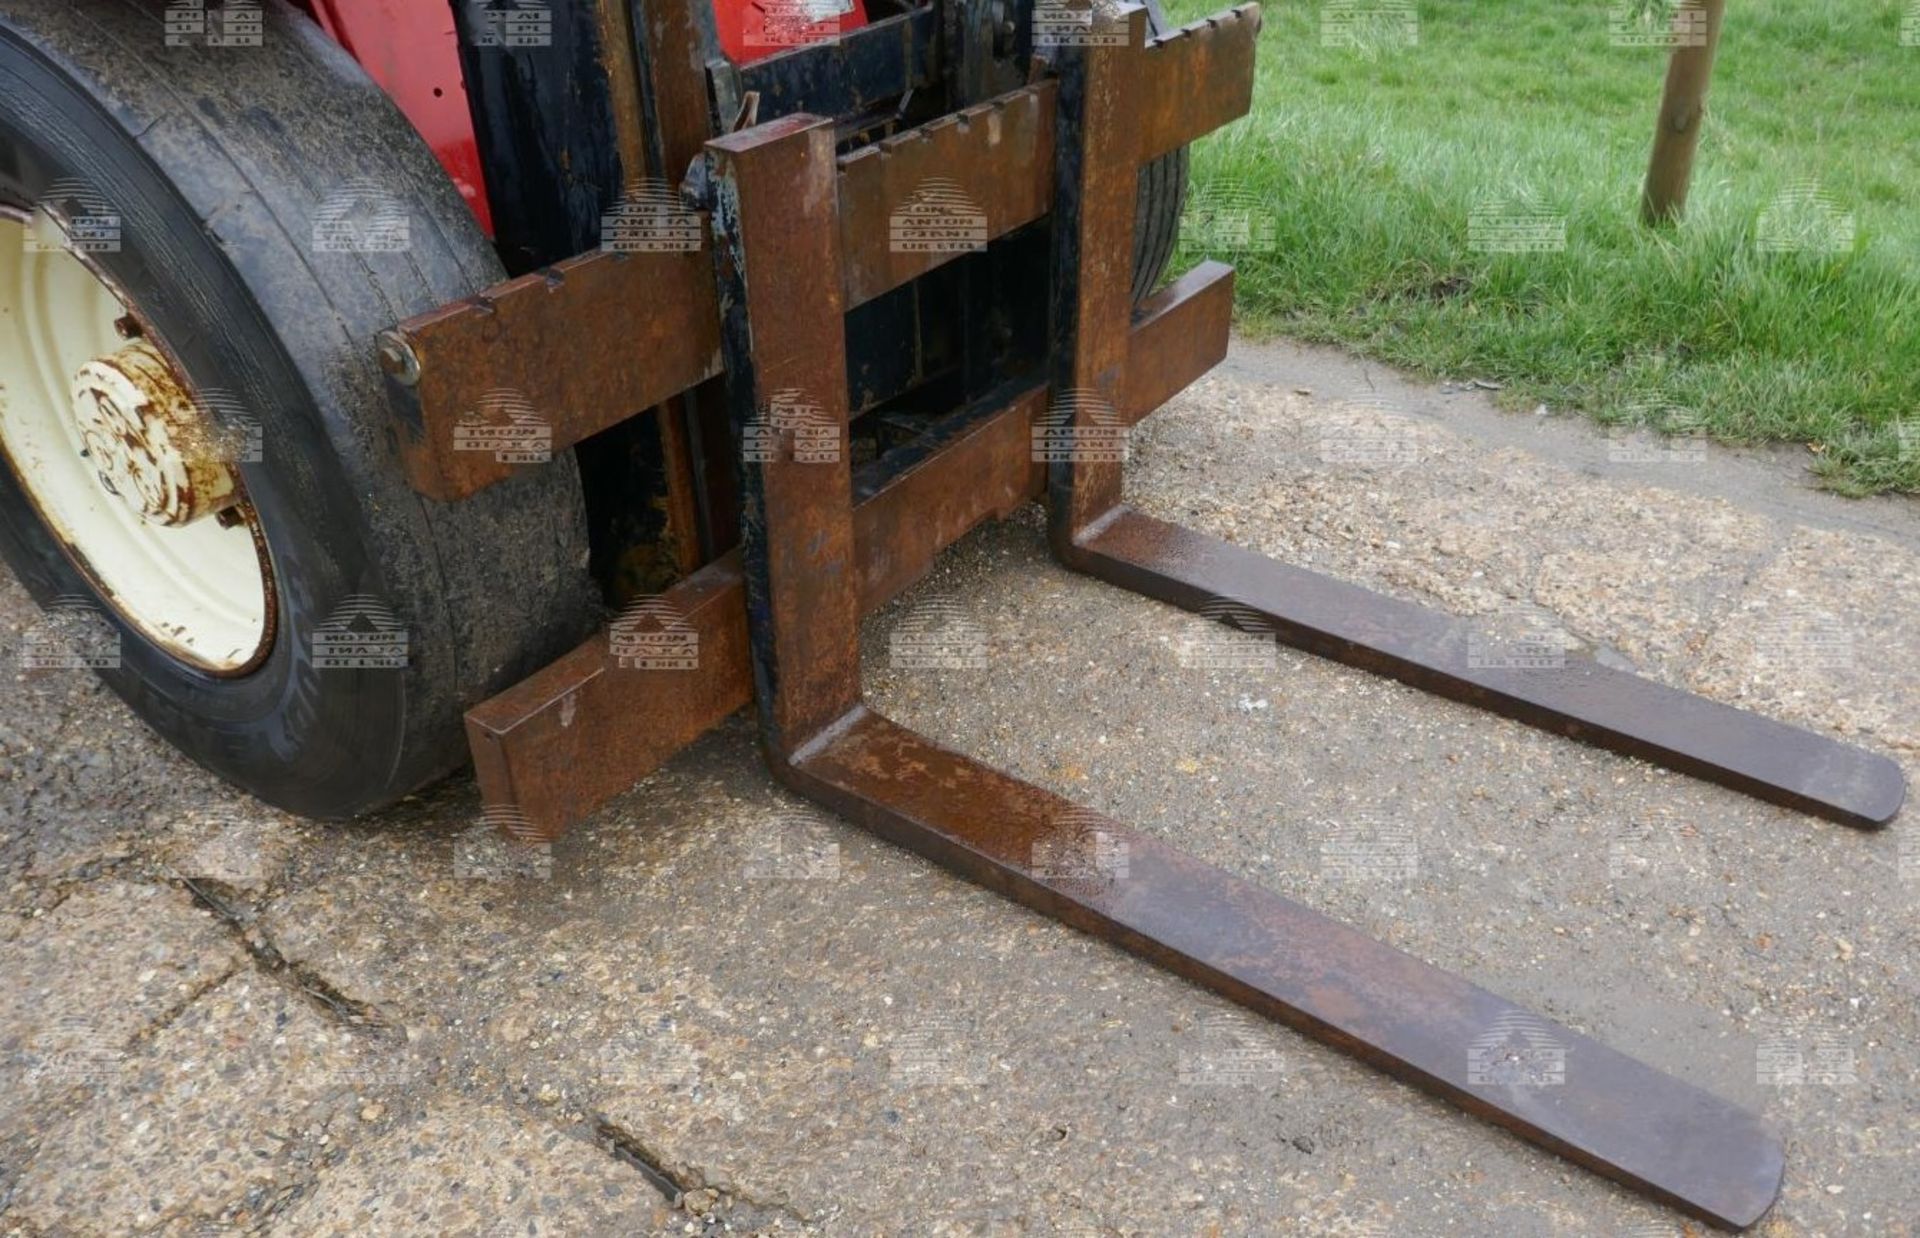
column 1368, row 169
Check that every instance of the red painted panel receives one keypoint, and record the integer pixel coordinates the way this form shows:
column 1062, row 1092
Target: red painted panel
column 411, row 49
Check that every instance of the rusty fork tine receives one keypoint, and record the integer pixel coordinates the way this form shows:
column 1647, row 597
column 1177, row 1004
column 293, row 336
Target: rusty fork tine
column 1583, row 700
column 1547, row 1084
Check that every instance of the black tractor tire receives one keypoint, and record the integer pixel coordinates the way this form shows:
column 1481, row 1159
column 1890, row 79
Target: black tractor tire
column 218, row 161
column 1162, row 198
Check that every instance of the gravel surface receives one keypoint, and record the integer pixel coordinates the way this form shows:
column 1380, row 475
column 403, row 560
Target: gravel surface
column 712, row 1009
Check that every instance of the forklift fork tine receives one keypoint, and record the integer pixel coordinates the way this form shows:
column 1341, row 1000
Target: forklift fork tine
column 1549, row 1085
column 1566, row 695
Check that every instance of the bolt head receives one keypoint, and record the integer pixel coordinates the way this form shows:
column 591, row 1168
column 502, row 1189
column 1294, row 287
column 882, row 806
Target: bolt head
column 398, row 359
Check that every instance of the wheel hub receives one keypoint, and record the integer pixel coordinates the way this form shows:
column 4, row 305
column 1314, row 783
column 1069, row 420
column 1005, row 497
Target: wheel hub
column 122, row 458
column 151, row 444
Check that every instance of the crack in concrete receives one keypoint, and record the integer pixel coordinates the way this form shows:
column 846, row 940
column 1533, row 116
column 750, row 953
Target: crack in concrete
column 171, row 1014
column 65, row 885
column 310, row 984
column 629, row 1149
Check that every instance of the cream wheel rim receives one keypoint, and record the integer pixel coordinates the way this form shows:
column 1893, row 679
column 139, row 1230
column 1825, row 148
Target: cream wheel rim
column 133, row 472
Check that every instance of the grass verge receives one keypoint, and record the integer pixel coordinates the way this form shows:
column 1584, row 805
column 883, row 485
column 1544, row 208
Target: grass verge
column 1457, row 192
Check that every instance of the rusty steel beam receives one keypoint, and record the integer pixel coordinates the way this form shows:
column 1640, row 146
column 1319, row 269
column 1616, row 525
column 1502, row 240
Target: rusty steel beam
column 1188, row 83
column 614, row 21
column 565, row 352
column 915, row 201
column 1178, row 334
column 921, row 498
column 562, row 742
column 545, row 344
column 673, row 82
column 640, row 44
column 1097, row 167
column 1575, row 697
column 1546, row 1083
column 777, row 238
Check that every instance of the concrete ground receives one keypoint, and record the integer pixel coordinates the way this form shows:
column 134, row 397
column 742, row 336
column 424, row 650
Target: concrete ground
column 711, row 1010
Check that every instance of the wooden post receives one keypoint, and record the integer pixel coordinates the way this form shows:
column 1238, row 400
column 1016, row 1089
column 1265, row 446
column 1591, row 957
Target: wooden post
column 1696, row 26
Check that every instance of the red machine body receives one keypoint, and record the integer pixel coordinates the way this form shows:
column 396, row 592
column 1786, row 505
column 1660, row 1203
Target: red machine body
column 413, row 51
